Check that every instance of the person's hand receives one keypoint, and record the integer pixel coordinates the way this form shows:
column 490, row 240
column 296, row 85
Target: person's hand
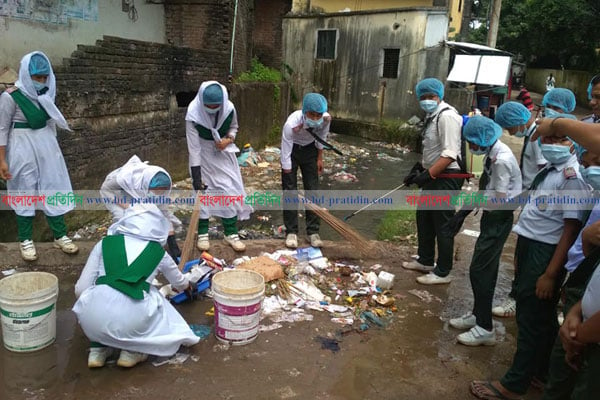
column 545, row 127
column 319, row 166
column 4, row 172
column 192, row 291
column 226, row 141
column 412, row 174
column 567, row 333
column 544, row 288
column 422, row 179
column 454, row 224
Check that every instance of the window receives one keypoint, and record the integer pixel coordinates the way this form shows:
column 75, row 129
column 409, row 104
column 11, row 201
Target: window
column 326, row 43
column 391, row 58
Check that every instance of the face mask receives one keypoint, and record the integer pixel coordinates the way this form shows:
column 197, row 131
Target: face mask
column 480, row 151
column 521, row 134
column 211, row 110
column 555, row 153
column 311, row 123
column 550, row 113
column 428, row 106
column 38, row 86
column 591, row 175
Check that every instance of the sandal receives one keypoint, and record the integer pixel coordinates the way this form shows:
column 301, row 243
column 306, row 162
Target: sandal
column 485, row 390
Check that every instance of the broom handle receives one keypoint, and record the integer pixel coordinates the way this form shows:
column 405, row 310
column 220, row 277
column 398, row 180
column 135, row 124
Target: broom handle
column 191, row 233
column 346, row 218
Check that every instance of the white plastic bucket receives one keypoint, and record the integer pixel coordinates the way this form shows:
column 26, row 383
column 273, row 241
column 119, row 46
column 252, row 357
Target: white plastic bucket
column 28, row 310
column 238, row 296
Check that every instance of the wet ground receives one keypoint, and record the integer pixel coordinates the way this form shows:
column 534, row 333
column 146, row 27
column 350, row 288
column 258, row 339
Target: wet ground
column 415, row 356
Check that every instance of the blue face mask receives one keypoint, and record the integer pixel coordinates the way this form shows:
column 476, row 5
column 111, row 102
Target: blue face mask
column 591, row 175
column 211, row 110
column 38, row 86
column 555, row 153
column 550, row 113
column 428, row 106
column 521, row 134
column 311, row 123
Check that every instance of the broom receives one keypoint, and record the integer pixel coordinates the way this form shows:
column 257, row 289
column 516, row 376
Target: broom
column 345, row 230
column 190, row 237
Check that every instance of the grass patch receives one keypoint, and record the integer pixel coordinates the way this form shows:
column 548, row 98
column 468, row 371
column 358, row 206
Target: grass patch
column 398, row 226
column 259, row 73
column 396, row 131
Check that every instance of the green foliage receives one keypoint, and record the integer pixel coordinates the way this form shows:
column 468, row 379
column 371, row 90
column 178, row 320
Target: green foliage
column 548, row 33
column 396, row 131
column 259, row 73
column 398, row 225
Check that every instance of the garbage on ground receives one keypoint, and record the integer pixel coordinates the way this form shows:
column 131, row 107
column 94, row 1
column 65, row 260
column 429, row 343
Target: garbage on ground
column 247, row 157
column 328, row 343
column 202, row 331
column 268, row 268
column 344, row 176
column 177, row 359
column 424, row 295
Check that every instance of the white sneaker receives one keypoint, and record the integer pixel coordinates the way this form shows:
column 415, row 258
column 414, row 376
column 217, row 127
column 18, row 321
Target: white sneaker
column 477, row 336
column 28, row 250
column 507, row 309
column 98, row 356
column 128, row 359
column 433, row 279
column 467, row 321
column 235, row 242
column 203, row 244
column 66, row 245
column 415, row 265
column 561, row 318
column 291, row 241
column 315, row 240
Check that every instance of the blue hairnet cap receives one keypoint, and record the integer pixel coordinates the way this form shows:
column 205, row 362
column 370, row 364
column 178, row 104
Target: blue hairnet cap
column 213, row 94
column 314, row 102
column 512, row 114
column 561, row 98
column 482, row 131
column 430, row 85
column 38, row 65
column 160, row 180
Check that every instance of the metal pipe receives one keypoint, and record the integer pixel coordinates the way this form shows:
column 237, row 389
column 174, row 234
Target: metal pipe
column 233, row 39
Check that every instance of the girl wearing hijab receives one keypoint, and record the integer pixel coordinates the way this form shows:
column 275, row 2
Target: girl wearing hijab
column 116, row 306
column 211, row 127
column 136, row 181
column 31, row 161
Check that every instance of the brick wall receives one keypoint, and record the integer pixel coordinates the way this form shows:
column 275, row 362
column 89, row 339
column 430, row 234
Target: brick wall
column 268, row 33
column 208, row 24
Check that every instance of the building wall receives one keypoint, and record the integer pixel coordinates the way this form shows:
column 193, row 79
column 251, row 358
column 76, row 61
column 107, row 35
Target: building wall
column 208, row 25
column 352, row 82
column 267, row 36
column 53, row 31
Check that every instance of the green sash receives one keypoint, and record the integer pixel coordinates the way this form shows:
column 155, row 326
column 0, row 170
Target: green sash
column 36, row 117
column 130, row 280
column 206, row 134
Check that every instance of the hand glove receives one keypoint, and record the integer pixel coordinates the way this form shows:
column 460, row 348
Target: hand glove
column 197, row 178
column 192, row 291
column 454, row 224
column 412, row 174
column 173, row 248
column 422, row 179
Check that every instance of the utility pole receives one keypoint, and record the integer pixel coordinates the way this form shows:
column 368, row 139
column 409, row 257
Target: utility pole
column 494, row 19
column 466, row 20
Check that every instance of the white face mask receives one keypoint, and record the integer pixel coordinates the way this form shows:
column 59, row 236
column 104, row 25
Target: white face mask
column 591, row 175
column 521, row 133
column 555, row 153
column 550, row 113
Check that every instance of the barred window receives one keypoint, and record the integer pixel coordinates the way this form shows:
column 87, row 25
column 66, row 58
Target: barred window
column 326, row 42
column 391, row 59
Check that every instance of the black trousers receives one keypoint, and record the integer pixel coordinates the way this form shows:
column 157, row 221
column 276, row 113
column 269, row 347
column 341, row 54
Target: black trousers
column 304, row 157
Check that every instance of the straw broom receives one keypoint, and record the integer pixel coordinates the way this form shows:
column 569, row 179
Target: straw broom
column 345, row 230
column 190, row 237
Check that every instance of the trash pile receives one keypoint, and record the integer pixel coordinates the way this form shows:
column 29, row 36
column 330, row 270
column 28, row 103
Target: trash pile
column 300, row 282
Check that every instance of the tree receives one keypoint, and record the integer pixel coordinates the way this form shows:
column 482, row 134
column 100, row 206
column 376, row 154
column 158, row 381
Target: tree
column 548, row 33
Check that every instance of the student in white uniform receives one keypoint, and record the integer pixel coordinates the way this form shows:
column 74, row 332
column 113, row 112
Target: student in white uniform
column 117, row 307
column 211, row 128
column 137, row 181
column 558, row 101
column 502, row 179
column 546, row 230
column 31, row 161
column 519, row 122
